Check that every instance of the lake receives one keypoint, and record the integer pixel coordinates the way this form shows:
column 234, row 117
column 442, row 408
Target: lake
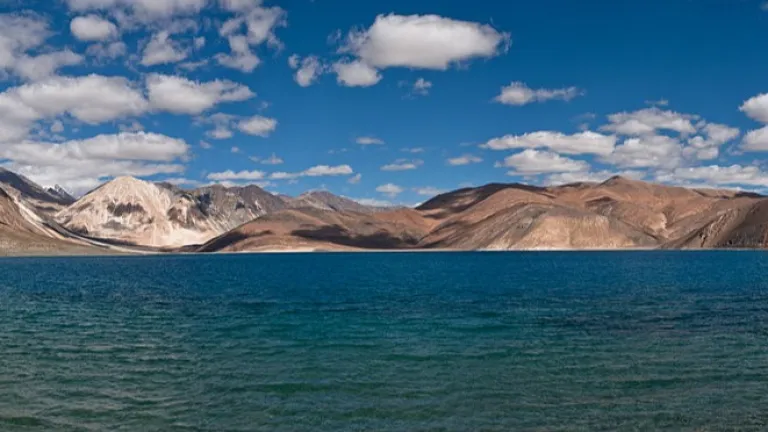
column 590, row 341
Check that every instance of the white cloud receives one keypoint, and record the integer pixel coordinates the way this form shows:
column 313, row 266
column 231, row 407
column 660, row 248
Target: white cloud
column 589, row 176
column 258, row 126
column 356, row 74
column 141, row 10
column 367, row 140
column 423, row 41
column 45, row 65
column 206, row 145
column 422, row 87
column 466, row 159
column 428, row 191
column 756, row 140
column 655, row 151
column 20, row 33
column 235, row 149
column 660, row 102
column 372, row 202
column 579, row 143
column 715, row 175
column 241, row 175
column 241, row 56
column 706, row 148
column 315, row 171
column 253, row 25
column 220, row 133
column 182, row 96
column 355, row 179
column 92, row 99
column 403, row 165
column 413, row 150
column 538, row 162
column 757, row 108
column 307, row 69
column 80, row 165
column 518, row 93
column 110, row 50
column 122, row 146
column 161, row 49
column 93, row 28
column 57, row 126
column 648, row 121
column 390, row 189
column 272, row 160
column 325, row 170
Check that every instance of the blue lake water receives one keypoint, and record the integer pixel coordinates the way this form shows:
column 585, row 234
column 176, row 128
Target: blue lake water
column 386, row 342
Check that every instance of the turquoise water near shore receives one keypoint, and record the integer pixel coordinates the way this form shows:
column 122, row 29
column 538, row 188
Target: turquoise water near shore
column 387, row 342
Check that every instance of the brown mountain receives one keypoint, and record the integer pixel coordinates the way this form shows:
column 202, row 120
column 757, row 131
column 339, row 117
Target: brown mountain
column 325, row 200
column 618, row 213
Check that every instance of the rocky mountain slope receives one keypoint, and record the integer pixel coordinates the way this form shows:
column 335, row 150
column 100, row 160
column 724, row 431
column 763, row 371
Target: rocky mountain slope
column 24, row 231
column 324, row 200
column 161, row 215
column 618, row 213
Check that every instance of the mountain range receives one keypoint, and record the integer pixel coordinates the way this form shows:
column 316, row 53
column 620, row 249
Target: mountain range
column 128, row 215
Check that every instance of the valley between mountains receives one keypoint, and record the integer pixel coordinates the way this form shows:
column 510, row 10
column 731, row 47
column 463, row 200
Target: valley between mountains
column 128, row 215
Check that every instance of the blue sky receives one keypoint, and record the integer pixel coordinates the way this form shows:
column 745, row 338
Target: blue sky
column 384, row 101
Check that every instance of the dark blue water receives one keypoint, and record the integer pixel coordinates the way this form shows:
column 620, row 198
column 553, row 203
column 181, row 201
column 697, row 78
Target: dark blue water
column 386, row 342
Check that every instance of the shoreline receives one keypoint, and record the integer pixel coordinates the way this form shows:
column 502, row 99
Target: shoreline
column 364, row 251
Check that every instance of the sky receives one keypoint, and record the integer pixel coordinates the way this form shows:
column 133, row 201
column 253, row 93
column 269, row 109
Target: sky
column 384, row 101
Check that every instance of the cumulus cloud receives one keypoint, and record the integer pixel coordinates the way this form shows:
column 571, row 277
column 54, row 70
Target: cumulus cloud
column 79, row 165
column 756, row 140
column 421, row 87
column 590, row 176
column 580, row 143
column 368, row 140
column 45, row 65
column 241, row 175
column 518, row 93
column 428, row 191
column 650, row 120
column 161, row 49
column 92, row 99
column 716, row 175
column 355, row 179
column 423, row 41
column 20, row 33
column 539, row 162
column 272, row 160
column 111, row 50
column 182, row 96
column 307, row 69
column 403, row 165
column 141, row 10
column 356, row 74
column 315, row 171
column 241, row 57
column 251, row 26
column 757, row 108
column 92, row 28
column 390, row 189
column 466, row 159
column 258, row 126
column 655, row 151
column 707, row 147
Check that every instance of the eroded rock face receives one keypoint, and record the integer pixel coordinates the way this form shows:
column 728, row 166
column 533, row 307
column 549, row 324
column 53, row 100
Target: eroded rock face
column 160, row 215
column 618, row 213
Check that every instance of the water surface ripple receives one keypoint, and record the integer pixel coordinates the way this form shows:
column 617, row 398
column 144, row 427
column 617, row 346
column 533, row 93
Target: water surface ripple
column 387, row 342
